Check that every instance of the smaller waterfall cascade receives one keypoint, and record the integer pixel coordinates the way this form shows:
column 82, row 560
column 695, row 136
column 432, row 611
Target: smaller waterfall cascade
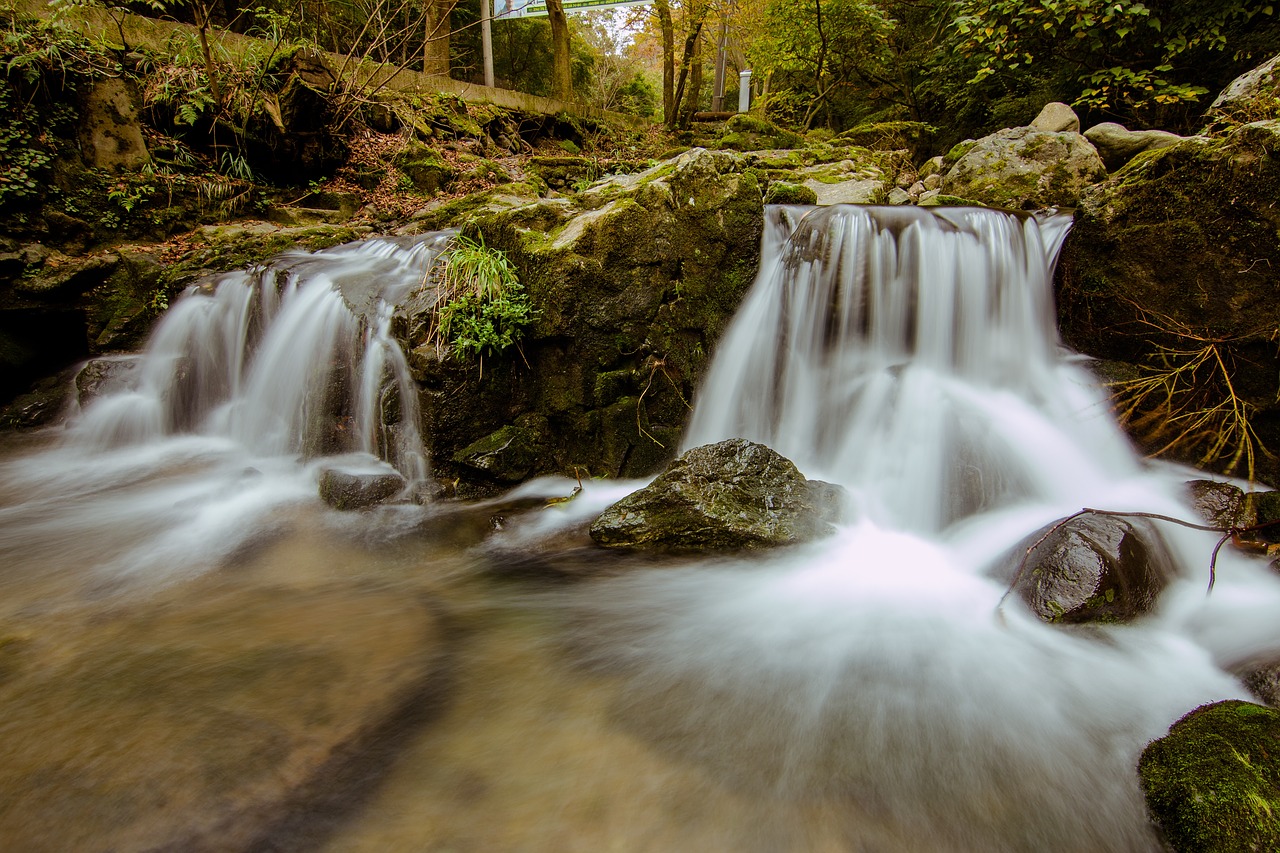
column 295, row 357
column 912, row 356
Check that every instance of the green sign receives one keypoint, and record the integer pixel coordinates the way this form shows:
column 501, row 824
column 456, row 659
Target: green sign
column 538, row 8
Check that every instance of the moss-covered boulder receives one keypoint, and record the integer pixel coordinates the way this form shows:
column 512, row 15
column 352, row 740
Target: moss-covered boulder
column 730, row 495
column 1024, row 168
column 424, row 168
column 1213, row 782
column 781, row 192
column 1174, row 259
column 1095, row 568
column 632, row 282
column 1250, row 97
column 746, row 132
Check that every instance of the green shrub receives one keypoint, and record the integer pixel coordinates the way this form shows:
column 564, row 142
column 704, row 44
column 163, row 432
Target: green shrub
column 482, row 307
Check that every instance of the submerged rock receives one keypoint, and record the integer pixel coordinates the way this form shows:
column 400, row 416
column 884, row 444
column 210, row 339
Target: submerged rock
column 1213, row 782
column 106, row 375
column 228, row 719
column 1096, row 568
column 1024, row 168
column 729, row 495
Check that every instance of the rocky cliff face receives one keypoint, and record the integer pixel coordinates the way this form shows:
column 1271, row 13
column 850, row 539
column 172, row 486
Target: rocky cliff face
column 632, row 283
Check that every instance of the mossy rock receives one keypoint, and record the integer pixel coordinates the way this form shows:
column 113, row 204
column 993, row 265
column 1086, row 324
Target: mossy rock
column 1213, row 782
column 731, row 495
column 746, row 132
column 425, row 168
column 1023, row 168
column 780, row 192
column 890, row 135
column 508, row 455
column 1180, row 247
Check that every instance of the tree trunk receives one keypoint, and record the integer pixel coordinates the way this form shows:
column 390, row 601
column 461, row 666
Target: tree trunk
column 435, row 47
column 694, row 93
column 562, row 71
column 686, row 64
column 668, row 61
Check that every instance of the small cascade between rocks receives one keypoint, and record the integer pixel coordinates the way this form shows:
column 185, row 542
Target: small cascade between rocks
column 912, row 357
column 293, row 358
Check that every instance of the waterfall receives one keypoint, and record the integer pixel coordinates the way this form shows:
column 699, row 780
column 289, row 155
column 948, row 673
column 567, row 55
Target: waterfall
column 911, row 355
column 291, row 358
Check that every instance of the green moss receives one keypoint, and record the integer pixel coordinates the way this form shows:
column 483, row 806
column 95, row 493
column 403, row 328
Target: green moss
column 949, row 201
column 780, row 192
column 957, row 151
column 1213, row 782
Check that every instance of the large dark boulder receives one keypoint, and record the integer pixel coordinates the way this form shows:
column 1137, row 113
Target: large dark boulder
column 1173, row 259
column 1213, row 782
column 1095, row 568
column 730, row 495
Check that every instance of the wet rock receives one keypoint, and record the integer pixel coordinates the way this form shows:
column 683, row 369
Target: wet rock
column 632, row 279
column 425, row 168
column 1263, row 681
column 110, row 134
column 106, row 375
column 1213, row 782
column 1264, row 509
column 1118, row 145
column 509, row 454
column 1057, row 117
column 209, row 722
column 1095, row 568
column 1025, row 168
column 730, row 495
column 1219, row 504
column 357, row 488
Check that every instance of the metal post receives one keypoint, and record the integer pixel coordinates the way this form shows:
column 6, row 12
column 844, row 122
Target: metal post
column 486, row 41
column 744, row 90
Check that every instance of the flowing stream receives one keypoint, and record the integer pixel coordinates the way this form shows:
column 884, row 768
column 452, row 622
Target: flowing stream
column 863, row 693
